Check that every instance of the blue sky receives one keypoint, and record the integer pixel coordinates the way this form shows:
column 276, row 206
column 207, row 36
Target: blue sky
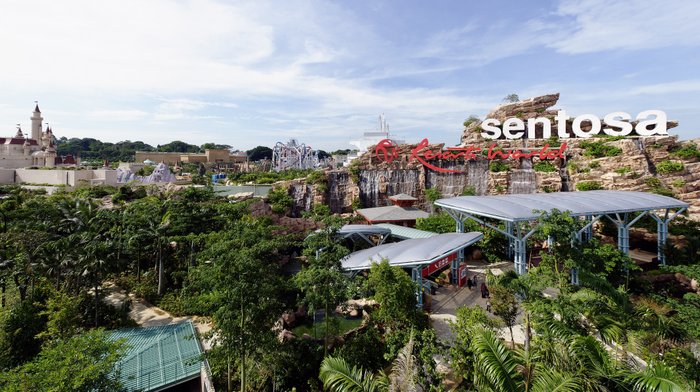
column 251, row 73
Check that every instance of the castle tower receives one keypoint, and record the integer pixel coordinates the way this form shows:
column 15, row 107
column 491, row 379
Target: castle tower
column 36, row 123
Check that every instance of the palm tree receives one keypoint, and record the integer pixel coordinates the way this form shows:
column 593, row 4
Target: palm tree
column 338, row 376
column 404, row 371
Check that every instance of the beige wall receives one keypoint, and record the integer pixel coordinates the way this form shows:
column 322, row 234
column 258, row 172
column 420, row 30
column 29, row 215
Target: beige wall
column 170, row 158
column 59, row 177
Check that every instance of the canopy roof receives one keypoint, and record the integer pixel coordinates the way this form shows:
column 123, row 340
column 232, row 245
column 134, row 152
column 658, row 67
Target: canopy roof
column 158, row 357
column 525, row 207
column 411, row 253
column 349, row 230
column 403, row 197
column 406, row 233
column 392, row 213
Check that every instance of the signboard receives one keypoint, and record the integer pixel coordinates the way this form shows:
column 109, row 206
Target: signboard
column 462, row 273
column 438, row 265
column 386, row 151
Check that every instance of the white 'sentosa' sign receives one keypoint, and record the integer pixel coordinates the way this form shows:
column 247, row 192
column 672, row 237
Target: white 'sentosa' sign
column 515, row 128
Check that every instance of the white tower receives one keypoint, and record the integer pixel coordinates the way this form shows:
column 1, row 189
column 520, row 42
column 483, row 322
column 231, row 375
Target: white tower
column 36, row 123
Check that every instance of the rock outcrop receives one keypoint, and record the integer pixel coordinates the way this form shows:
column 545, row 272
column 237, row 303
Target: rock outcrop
column 660, row 164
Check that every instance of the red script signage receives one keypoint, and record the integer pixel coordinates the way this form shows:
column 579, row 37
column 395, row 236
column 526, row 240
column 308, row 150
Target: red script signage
column 386, row 151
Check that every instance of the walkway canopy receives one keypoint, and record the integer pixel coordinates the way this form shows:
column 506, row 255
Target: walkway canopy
column 406, row 233
column 521, row 214
column 364, row 232
column 411, row 253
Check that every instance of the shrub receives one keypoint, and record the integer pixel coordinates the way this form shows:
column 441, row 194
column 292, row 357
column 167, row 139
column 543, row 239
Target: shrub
column 594, row 165
column 588, row 186
column 653, row 182
column 623, row 170
column 469, row 191
column 280, row 200
column 678, row 183
column 544, row 166
column 573, row 167
column 666, row 167
column 470, row 120
column 658, row 187
column 599, row 149
column 688, row 151
column 432, row 194
column 498, row 166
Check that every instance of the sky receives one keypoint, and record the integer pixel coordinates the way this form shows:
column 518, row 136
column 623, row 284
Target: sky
column 255, row 73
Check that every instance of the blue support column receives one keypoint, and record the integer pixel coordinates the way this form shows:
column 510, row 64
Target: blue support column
column 520, row 256
column 662, row 232
column 662, row 236
column 417, row 275
column 509, row 229
column 623, row 235
column 589, row 229
column 459, row 259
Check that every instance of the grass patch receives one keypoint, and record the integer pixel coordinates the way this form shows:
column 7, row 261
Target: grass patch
column 544, row 166
column 338, row 326
column 667, row 167
column 588, row 186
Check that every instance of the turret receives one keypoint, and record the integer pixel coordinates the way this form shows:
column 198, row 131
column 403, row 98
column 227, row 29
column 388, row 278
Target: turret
column 36, row 123
column 50, row 154
column 27, row 147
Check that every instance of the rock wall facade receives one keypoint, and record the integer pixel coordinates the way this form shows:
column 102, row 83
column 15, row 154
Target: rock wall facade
column 640, row 163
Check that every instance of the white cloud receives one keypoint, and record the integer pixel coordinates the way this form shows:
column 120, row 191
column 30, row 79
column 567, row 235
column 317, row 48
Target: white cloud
column 598, row 25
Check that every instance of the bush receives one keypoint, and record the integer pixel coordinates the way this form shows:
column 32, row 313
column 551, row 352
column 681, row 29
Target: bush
column 658, row 187
column 599, row 149
column 688, row 151
column 678, row 183
column 469, row 191
column 667, row 167
column 432, row 194
column 498, row 166
column 470, row 120
column 594, row 165
column 588, row 186
column 280, row 200
column 544, row 166
column 623, row 170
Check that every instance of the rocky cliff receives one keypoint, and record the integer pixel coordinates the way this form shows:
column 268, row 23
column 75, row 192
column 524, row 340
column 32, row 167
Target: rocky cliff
column 660, row 164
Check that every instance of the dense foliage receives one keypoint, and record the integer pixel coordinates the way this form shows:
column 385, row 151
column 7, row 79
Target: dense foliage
column 192, row 253
column 95, row 150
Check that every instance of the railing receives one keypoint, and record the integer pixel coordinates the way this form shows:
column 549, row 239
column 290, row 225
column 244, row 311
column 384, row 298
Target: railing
column 205, row 376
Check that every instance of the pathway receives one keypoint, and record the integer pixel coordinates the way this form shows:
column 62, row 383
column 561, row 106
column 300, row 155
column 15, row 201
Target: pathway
column 447, row 299
column 147, row 315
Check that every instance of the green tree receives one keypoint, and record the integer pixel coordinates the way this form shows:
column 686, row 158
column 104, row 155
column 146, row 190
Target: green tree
column 395, row 292
column 321, row 281
column 505, row 306
column 259, row 153
column 241, row 286
column 84, row 363
column 511, row 98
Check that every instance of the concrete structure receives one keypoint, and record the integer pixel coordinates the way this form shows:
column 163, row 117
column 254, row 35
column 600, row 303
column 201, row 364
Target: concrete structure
column 174, row 158
column 34, row 149
column 401, row 212
column 58, row 177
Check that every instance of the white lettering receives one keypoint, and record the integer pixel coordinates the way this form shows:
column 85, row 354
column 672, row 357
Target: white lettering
column 489, row 128
column 619, row 120
column 513, row 124
column 659, row 121
column 595, row 125
column 546, row 127
column 561, row 124
column 617, row 124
